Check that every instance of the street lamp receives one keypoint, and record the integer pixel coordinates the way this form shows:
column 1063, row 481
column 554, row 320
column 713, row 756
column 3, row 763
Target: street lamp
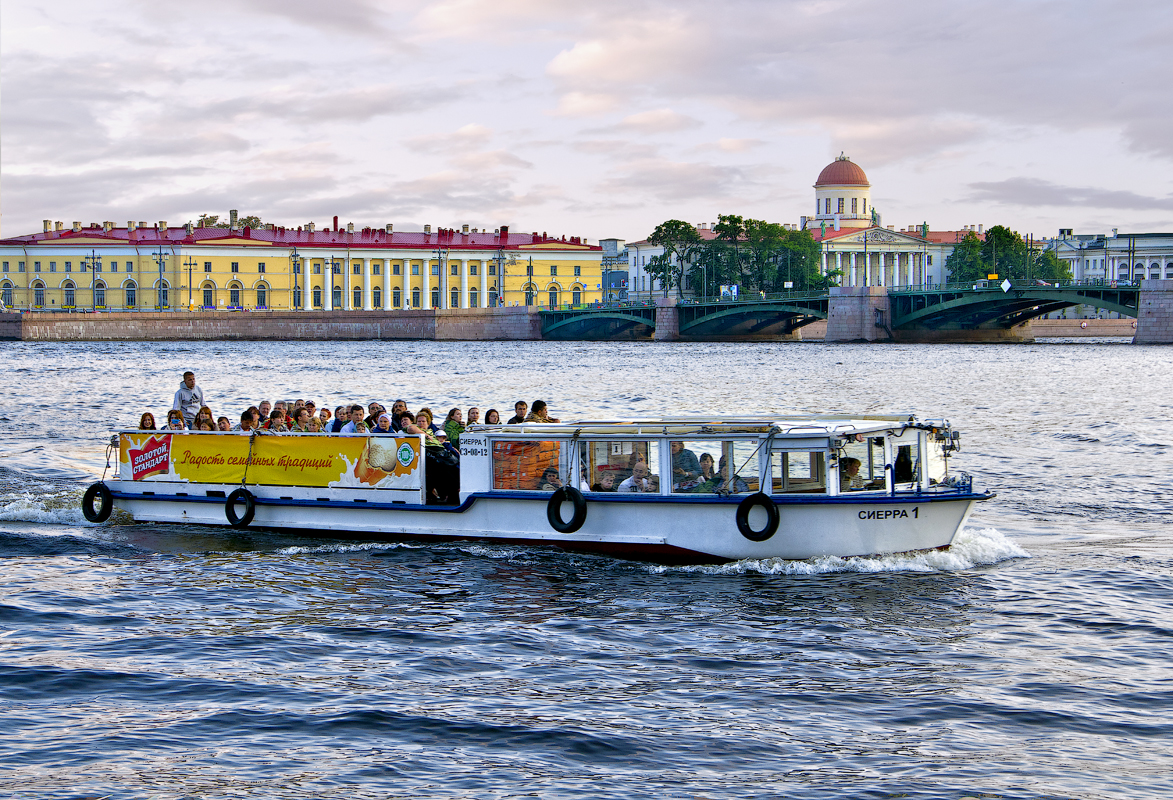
column 189, row 264
column 441, row 253
column 161, row 260
column 95, row 266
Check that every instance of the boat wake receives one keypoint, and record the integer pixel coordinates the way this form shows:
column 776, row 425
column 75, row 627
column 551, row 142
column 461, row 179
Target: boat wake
column 62, row 508
column 971, row 548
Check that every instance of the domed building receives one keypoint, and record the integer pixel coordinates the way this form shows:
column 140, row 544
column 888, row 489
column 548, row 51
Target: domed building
column 842, row 196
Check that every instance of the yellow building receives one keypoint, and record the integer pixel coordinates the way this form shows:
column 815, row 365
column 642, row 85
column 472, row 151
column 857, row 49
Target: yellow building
column 156, row 267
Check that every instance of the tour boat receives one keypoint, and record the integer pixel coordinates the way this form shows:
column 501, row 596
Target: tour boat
column 673, row 490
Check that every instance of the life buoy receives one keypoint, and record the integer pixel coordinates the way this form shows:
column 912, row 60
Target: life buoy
column 250, row 508
column 554, row 510
column 1083, row 324
column 102, row 491
column 760, row 499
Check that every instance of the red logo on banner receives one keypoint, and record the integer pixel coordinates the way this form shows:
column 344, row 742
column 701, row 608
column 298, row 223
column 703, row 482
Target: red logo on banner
column 153, row 458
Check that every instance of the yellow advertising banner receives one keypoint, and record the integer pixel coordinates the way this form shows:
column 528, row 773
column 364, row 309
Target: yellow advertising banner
column 379, row 462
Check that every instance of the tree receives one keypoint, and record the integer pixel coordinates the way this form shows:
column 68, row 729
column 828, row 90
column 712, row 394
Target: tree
column 965, row 264
column 1004, row 252
column 1050, row 267
column 681, row 244
column 207, row 220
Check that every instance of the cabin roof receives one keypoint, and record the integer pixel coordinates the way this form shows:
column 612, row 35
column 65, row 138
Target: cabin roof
column 783, row 425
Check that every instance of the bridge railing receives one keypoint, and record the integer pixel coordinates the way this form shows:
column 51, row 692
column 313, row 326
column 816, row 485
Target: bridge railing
column 752, row 297
column 599, row 306
column 1020, row 284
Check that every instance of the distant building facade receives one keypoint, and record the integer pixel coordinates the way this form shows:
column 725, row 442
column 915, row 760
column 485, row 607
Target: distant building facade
column 146, row 267
column 1119, row 257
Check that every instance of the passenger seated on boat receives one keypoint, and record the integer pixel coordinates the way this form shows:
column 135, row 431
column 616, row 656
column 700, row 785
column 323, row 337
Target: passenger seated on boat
column 849, row 480
column 551, row 480
column 341, row 417
column 685, row 467
column 519, row 409
column 276, row 422
column 314, row 425
column 223, row 424
column 204, row 413
column 248, row 422
column 407, row 425
column 373, row 418
column 454, row 426
column 205, row 425
column 736, row 485
column 473, row 416
column 175, row 421
column 638, row 482
column 147, row 422
column 398, row 409
column 301, row 420
column 383, row 426
column 539, row 413
column 492, row 417
column 266, row 408
column 606, row 483
column 356, row 419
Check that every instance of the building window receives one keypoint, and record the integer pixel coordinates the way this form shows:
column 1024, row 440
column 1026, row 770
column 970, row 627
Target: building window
column 164, row 297
column 261, row 266
column 262, row 295
column 317, row 269
column 415, row 298
column 396, row 297
column 234, row 296
column 376, row 269
column 236, row 266
column 553, row 269
column 415, row 269
column 492, row 297
column 864, row 204
column 394, row 269
column 6, row 266
column 840, row 205
column 131, row 296
column 297, row 297
column 473, row 297
column 113, row 266
column 68, row 266
column 317, row 297
column 70, row 298
column 335, row 268
column 576, row 297
column 53, row 266
column 553, row 298
column 207, row 266
column 36, row 266
column 928, row 261
column 377, row 297
column 6, row 294
column 454, row 268
column 100, row 295
column 130, row 266
column 356, row 268
column 357, row 297
column 472, row 269
column 854, row 205
column 38, row 294
column 435, row 297
column 209, row 297
column 492, row 269
column 20, row 266
column 436, row 269
column 455, row 299
column 578, row 272
column 336, row 298
column 529, row 294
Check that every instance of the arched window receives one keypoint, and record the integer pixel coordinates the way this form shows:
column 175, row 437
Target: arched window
column 1169, row 271
column 336, row 298
column 455, row 298
column 415, row 298
column 38, row 294
column 234, row 295
column 357, row 297
column 396, row 297
column 209, row 291
column 1155, row 271
column 297, row 297
column 131, row 290
column 1123, row 273
column 435, row 296
column 317, row 297
column 69, row 297
column 99, row 295
column 164, row 295
column 576, row 296
column 553, row 297
column 473, row 297
column 377, row 296
column 493, row 302
column 529, row 294
column 262, row 296
column 6, row 294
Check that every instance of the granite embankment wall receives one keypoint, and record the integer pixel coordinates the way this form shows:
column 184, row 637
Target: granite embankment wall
column 475, row 324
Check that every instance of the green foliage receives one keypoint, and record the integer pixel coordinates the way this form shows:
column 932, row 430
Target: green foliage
column 965, row 263
column 681, row 244
column 1004, row 252
column 213, row 221
column 1050, row 267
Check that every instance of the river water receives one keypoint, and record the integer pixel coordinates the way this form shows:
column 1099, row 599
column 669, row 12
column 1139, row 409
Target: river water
column 1033, row 660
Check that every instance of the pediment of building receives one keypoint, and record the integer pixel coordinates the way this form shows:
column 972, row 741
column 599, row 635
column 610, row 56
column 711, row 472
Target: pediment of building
column 879, row 236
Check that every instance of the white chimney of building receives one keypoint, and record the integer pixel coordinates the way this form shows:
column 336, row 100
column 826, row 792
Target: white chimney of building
column 350, row 227
column 464, row 229
column 162, row 226
column 76, row 226
column 48, row 225
column 232, row 219
column 107, row 227
column 427, row 229
column 836, row 222
column 310, row 227
column 130, row 225
column 981, row 228
column 390, row 227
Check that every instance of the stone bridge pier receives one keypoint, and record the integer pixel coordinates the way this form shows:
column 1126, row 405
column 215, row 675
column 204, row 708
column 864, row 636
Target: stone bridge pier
column 1154, row 321
column 859, row 314
column 667, row 320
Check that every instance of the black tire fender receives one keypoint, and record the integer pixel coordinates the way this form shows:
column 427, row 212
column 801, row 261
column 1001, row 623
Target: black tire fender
column 250, row 508
column 759, row 499
column 554, row 510
column 102, row 491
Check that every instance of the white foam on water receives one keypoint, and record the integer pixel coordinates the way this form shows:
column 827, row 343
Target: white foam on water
column 58, row 509
column 359, row 547
column 970, row 549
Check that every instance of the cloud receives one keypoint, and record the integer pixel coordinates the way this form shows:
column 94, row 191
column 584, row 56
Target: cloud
column 673, row 181
column 470, row 137
column 1036, row 192
column 661, row 120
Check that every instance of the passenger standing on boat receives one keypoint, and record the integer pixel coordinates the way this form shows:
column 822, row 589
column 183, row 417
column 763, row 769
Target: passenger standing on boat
column 341, row 417
column 356, row 419
column 147, row 422
column 266, row 408
column 189, row 398
column 638, row 482
column 474, row 416
column 373, row 418
column 685, row 466
column 539, row 413
column 519, row 409
column 301, row 420
column 383, row 426
column 454, row 426
column 492, row 417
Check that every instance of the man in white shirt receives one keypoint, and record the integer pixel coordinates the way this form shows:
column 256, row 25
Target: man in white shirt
column 638, row 482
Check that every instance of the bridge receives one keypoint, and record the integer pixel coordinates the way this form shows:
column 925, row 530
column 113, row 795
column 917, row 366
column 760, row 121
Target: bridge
column 991, row 304
column 768, row 316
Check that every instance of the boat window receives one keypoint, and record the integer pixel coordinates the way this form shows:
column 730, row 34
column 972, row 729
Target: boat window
column 736, row 467
column 868, row 455
column 622, row 466
column 906, row 462
column 798, row 471
column 521, row 465
column 694, row 466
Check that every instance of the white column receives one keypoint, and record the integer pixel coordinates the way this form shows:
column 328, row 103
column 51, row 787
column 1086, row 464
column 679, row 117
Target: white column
column 882, row 267
column 484, row 270
column 464, row 283
column 426, row 291
column 346, row 301
column 851, row 280
column 307, row 284
column 366, row 285
column 839, row 262
column 823, row 264
column 406, row 283
column 327, row 284
column 386, row 284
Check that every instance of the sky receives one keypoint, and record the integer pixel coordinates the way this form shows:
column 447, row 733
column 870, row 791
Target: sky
column 598, row 119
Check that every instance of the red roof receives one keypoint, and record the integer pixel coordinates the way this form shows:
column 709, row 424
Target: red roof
column 365, row 238
column 842, row 172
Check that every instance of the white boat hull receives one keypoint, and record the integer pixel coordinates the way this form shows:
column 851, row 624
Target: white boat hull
column 676, row 530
